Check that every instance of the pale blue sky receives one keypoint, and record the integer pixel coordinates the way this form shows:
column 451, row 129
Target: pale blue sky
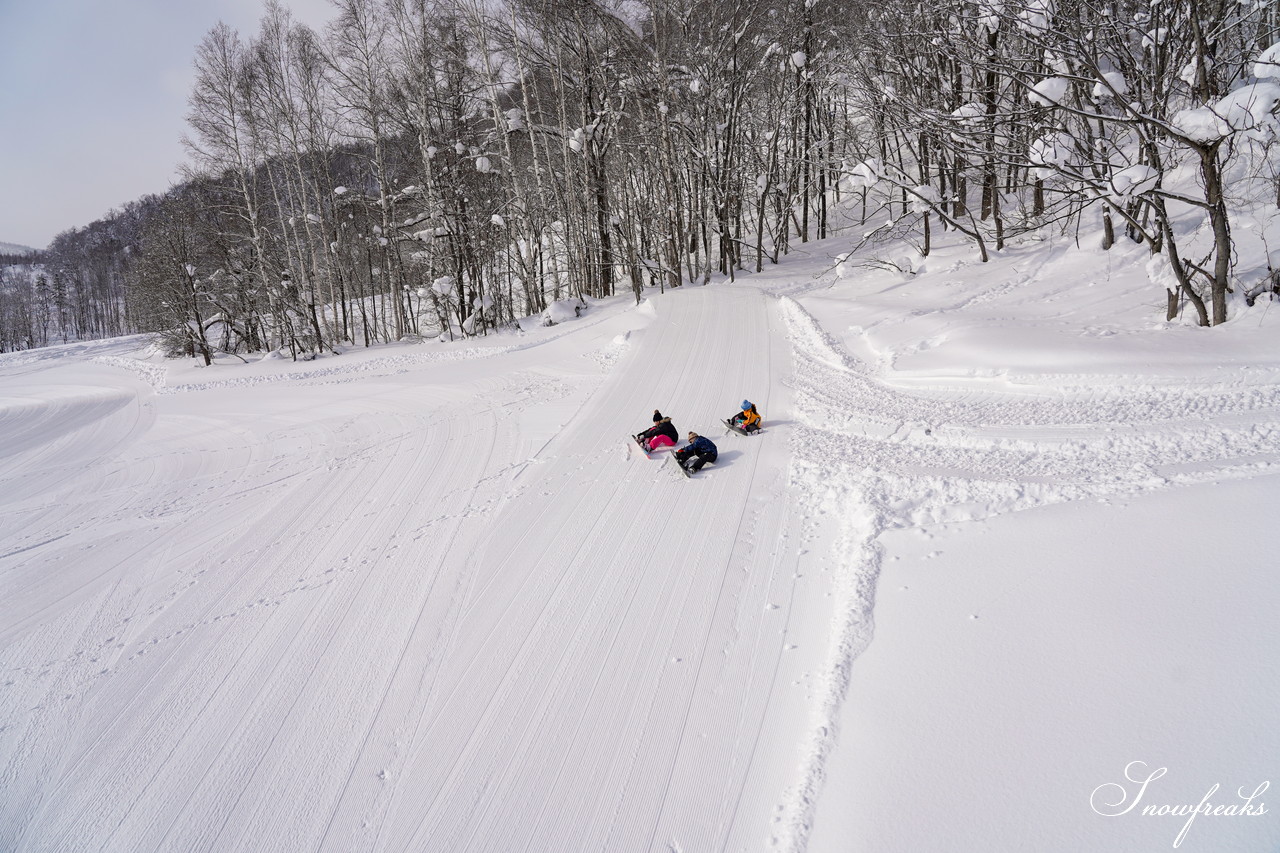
column 92, row 99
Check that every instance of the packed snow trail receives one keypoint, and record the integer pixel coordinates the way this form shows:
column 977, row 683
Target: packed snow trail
column 414, row 604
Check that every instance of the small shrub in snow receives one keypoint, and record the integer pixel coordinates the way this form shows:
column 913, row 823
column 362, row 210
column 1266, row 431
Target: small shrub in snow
column 558, row 312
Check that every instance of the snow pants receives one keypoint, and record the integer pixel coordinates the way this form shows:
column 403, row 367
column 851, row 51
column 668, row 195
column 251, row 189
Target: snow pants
column 660, row 441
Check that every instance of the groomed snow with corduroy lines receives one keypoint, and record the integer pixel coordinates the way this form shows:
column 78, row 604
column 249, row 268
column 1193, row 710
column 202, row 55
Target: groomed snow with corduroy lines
column 1007, row 547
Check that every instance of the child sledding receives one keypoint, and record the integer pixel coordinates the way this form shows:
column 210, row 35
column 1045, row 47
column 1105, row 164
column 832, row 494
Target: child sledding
column 661, row 434
column 746, row 421
column 698, row 452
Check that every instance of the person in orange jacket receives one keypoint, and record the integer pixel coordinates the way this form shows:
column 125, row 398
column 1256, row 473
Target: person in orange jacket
column 748, row 420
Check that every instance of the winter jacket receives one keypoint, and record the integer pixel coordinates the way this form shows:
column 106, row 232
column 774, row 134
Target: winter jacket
column 702, row 446
column 663, row 427
column 748, row 418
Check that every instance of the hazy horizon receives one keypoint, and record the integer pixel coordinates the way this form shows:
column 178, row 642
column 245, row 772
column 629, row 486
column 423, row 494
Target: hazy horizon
column 101, row 93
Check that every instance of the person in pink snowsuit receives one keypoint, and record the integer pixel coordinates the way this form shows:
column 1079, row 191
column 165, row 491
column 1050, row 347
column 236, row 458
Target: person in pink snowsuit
column 661, row 434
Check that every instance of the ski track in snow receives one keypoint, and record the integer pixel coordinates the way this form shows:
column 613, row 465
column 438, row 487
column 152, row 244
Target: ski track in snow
column 428, row 602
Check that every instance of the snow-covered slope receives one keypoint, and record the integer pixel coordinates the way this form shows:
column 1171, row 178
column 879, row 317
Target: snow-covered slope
column 402, row 602
column 15, row 249
column 426, row 598
column 1060, row 516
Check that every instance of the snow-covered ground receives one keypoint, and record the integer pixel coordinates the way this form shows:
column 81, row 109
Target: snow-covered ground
column 1005, row 534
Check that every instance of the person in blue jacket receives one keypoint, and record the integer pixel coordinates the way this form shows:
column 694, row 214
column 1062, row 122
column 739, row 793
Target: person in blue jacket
column 698, row 452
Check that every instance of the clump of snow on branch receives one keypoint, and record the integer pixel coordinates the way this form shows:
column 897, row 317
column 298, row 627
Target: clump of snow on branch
column 1133, row 181
column 1191, row 70
column 1267, row 65
column 1049, row 92
column 968, row 118
column 1036, row 15
column 924, row 198
column 1154, row 38
column 868, row 173
column 1051, row 152
column 443, row 286
column 1110, row 84
column 1249, row 108
column 1055, row 63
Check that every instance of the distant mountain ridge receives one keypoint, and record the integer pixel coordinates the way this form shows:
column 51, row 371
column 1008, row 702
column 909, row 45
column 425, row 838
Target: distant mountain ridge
column 16, row 249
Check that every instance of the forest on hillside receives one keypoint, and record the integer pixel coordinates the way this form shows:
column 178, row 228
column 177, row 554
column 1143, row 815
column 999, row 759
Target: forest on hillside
column 442, row 167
